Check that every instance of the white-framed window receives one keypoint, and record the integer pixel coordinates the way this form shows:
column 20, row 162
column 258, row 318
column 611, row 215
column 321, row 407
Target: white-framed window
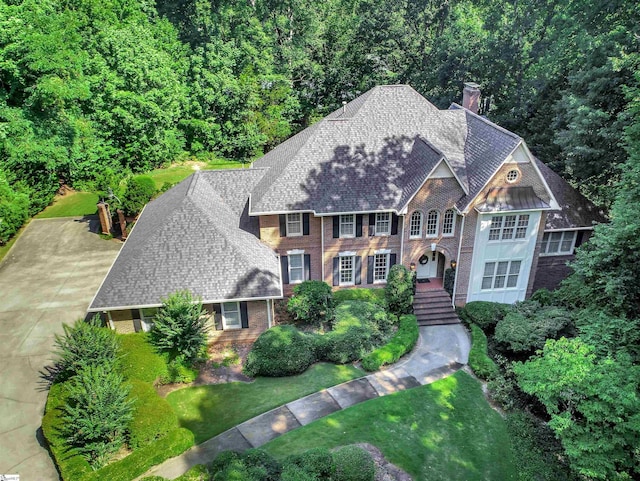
column 500, row 275
column 347, row 267
column 508, row 227
column 415, row 225
column 294, row 225
column 383, row 223
column 433, row 217
column 296, row 267
column 231, row 315
column 380, row 267
column 448, row 223
column 347, row 225
column 513, row 175
column 147, row 317
column 558, row 243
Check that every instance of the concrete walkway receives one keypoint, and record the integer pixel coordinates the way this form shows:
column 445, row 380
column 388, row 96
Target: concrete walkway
column 49, row 277
column 441, row 351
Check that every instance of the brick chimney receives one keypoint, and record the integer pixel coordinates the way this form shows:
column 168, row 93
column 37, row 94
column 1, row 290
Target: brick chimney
column 471, row 96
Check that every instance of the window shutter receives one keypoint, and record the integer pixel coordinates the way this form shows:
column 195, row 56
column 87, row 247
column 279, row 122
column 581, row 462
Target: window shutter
column 394, row 224
column 392, row 260
column 336, row 226
column 307, row 267
column 336, row 271
column 284, row 264
column 135, row 313
column 358, row 268
column 305, row 224
column 579, row 239
column 244, row 316
column 137, row 325
column 372, row 224
column 217, row 317
column 358, row 225
column 370, row 261
column 283, row 225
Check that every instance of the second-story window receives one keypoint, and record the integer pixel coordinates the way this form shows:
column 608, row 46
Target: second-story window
column 347, row 225
column 448, row 223
column 415, row 226
column 383, row 223
column 508, row 227
column 294, row 225
column 432, row 223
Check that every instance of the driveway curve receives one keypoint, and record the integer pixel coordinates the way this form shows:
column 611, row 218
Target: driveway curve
column 47, row 279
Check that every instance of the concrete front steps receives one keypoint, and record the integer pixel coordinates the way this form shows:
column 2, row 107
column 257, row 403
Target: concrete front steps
column 433, row 308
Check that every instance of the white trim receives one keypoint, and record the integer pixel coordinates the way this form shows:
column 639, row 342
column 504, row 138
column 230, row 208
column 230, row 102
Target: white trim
column 346, row 253
column 382, row 251
column 239, row 311
column 559, row 252
column 453, row 223
column 455, row 279
column 541, row 209
column 269, row 313
column 353, row 222
column 300, row 222
column 554, row 203
column 301, row 254
column 386, row 267
column 110, row 319
column 353, row 269
column 506, row 275
column 322, row 244
column 295, row 251
column 435, row 235
column 205, row 301
column 419, row 236
column 568, row 229
column 402, row 239
column 388, row 221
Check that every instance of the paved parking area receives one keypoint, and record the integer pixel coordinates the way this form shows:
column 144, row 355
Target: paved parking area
column 48, row 278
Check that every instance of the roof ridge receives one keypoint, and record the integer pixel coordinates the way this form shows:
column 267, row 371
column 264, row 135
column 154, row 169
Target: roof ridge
column 486, row 121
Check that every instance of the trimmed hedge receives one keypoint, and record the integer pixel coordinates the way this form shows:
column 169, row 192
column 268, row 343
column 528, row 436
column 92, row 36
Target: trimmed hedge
column 482, row 365
column 138, row 462
column 317, row 462
column 484, row 314
column 280, row 351
column 374, row 295
column 70, row 463
column 153, row 417
column 139, row 359
column 353, row 464
column 402, row 342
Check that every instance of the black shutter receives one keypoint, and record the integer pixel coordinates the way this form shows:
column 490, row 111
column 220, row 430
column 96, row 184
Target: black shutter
column 283, row 225
column 307, row 267
column 358, row 267
column 217, row 317
column 137, row 325
column 336, row 271
column 135, row 313
column 394, row 224
column 284, row 265
column 392, row 260
column 579, row 239
column 305, row 224
column 372, row 224
column 244, row 316
column 370, row 262
column 336, row 226
column 358, row 225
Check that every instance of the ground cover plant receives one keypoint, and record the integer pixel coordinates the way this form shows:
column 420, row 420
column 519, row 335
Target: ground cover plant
column 442, row 431
column 72, row 204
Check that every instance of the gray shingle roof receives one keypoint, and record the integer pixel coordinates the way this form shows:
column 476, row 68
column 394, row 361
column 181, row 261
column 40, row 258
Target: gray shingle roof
column 197, row 236
column 577, row 211
column 501, row 199
column 371, row 155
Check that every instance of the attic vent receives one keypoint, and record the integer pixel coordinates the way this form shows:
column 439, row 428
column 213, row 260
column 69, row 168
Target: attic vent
column 344, row 106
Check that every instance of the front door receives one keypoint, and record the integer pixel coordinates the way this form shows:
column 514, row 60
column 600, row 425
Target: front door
column 427, row 265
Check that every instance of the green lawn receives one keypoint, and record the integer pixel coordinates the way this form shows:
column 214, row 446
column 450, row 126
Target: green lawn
column 442, row 431
column 212, row 409
column 73, row 204
column 178, row 172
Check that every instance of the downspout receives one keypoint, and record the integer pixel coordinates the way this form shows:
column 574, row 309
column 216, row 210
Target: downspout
column 322, row 245
column 269, row 312
column 455, row 279
column 402, row 243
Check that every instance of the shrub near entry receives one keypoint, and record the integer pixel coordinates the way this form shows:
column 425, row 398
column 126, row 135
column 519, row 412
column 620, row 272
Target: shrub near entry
column 399, row 290
column 280, row 351
column 312, row 303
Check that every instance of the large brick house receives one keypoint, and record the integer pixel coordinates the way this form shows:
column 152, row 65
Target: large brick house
column 386, row 179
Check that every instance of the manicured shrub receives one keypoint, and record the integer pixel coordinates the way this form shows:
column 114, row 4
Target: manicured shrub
column 140, row 189
column 367, row 314
column 153, row 417
column 528, row 325
column 482, row 365
column 374, row 295
column 83, row 345
column 402, row 342
column 449, row 280
column 484, row 314
column 139, row 359
column 257, row 458
column 317, row 462
column 399, row 290
column 179, row 327
column 312, row 303
column 178, row 371
column 138, row 462
column 293, row 472
column 280, row 351
column 98, row 412
column 544, row 297
column 353, row 464
column 349, row 344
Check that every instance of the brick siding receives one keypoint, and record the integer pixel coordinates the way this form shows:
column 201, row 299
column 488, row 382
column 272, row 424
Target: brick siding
column 258, row 323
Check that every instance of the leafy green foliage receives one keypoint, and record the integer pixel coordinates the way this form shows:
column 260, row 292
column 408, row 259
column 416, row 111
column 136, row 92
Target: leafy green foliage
column 374, row 295
column 593, row 404
column 448, row 281
column 317, row 463
column 484, row 314
column 399, row 290
column 401, row 343
column 609, row 334
column 139, row 360
column 152, row 418
column 97, row 413
column 280, row 351
column 179, row 327
column 14, row 209
column 312, row 303
column 527, row 326
column 482, row 365
column 140, row 189
column 83, row 345
column 353, row 464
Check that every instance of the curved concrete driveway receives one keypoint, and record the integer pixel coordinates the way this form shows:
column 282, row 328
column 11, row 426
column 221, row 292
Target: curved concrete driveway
column 49, row 277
